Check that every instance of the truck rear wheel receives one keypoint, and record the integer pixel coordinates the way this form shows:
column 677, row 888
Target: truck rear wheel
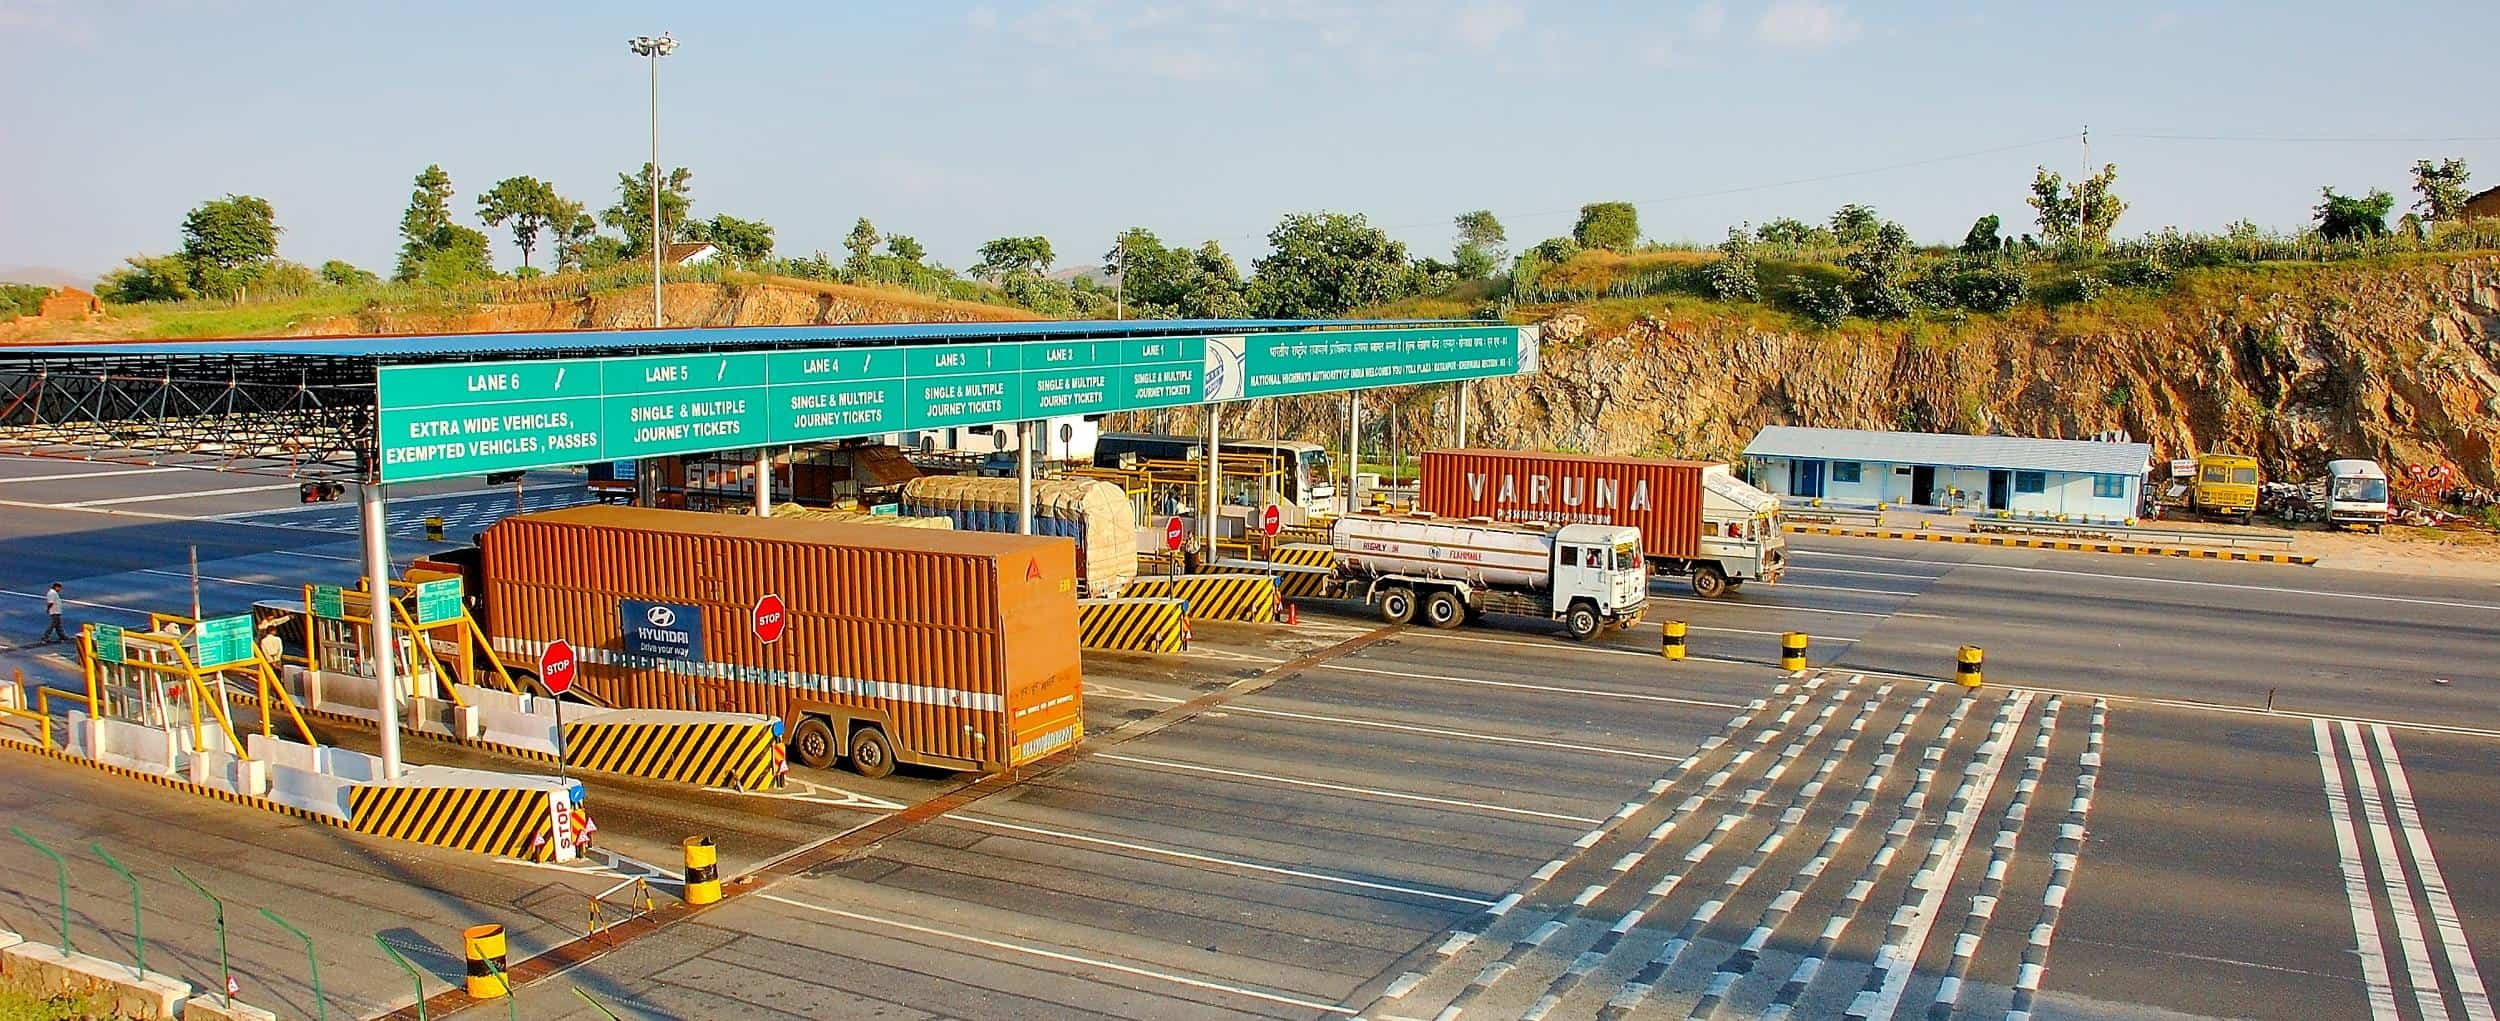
column 871, row 755
column 1442, row 609
column 1709, row 582
column 1583, row 622
column 1397, row 605
column 811, row 745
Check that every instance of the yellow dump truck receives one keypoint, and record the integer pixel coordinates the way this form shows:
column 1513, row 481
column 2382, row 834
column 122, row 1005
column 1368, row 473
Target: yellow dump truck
column 2225, row 487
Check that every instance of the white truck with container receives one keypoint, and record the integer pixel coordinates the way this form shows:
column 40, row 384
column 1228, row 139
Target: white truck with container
column 1444, row 572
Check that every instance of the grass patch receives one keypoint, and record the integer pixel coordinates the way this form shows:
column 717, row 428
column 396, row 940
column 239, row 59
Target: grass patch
column 19, row 1005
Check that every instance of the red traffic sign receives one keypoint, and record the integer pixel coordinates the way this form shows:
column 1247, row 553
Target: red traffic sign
column 1172, row 534
column 1271, row 519
column 555, row 666
column 770, row 619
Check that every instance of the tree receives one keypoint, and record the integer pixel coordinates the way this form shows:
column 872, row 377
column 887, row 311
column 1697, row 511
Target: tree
column 580, row 246
column 1983, row 238
column 2345, row 218
column 1855, row 224
column 2442, row 189
column 631, row 215
column 1614, row 226
column 1879, row 266
column 530, row 205
column 342, row 273
column 1326, row 264
column 906, row 248
column 432, row 248
column 863, row 245
column 1735, row 277
column 148, row 278
column 1175, row 283
column 222, row 237
column 1480, row 239
column 1793, row 232
column 2078, row 216
column 1014, row 256
column 746, row 241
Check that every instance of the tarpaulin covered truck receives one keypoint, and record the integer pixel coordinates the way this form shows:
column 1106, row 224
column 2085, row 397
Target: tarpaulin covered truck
column 932, row 647
column 1696, row 518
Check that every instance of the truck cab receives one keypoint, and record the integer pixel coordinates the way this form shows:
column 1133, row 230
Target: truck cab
column 1598, row 567
column 1742, row 536
column 2226, row 486
column 2356, row 494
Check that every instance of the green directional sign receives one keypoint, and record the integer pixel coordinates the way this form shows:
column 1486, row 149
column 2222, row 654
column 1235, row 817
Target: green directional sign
column 108, row 643
column 223, row 642
column 328, row 603
column 439, row 421
column 438, row 601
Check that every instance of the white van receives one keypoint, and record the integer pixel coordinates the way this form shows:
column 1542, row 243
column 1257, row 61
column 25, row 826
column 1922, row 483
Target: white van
column 2356, row 494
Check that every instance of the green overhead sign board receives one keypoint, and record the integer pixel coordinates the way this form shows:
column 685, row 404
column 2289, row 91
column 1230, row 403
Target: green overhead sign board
column 108, row 643
column 443, row 420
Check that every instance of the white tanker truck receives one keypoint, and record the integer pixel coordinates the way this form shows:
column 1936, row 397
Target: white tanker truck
column 1444, row 572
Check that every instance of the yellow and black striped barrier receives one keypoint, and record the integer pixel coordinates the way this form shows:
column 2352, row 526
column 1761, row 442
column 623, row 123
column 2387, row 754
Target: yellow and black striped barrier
column 702, row 871
column 1131, row 624
column 1966, row 666
column 740, row 754
column 2078, row 545
column 1671, row 639
column 1793, row 651
column 1303, row 535
column 1293, row 581
column 1233, row 597
column 508, row 822
column 1306, row 554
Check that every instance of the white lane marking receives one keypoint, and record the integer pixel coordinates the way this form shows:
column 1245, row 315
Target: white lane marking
column 2419, row 972
column 1785, row 585
column 350, row 508
column 1897, row 961
column 154, row 497
column 2235, row 586
column 1068, row 958
column 317, row 556
column 186, row 576
column 34, row 505
column 75, row 602
column 1209, row 859
column 1802, row 569
column 1774, row 608
column 1372, row 792
column 2366, row 939
column 1093, row 690
column 1550, row 688
column 2452, row 939
column 65, row 476
column 1443, row 732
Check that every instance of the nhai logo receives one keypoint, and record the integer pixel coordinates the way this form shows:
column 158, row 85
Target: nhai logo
column 659, row 616
column 1227, row 370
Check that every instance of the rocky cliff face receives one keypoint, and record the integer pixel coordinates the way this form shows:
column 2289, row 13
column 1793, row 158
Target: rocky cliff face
column 2400, row 363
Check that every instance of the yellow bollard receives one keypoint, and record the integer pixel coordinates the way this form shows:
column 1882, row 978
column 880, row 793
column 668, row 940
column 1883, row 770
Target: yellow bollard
column 1671, row 639
column 1966, row 670
column 702, row 871
column 1793, row 651
column 483, row 946
column 434, row 527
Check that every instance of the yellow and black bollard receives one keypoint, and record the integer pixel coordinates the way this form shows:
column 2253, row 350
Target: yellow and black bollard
column 1671, row 639
column 702, row 871
column 1966, row 670
column 1793, row 651
column 483, row 946
column 434, row 527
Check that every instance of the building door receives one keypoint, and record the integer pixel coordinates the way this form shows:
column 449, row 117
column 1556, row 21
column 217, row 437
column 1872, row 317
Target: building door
column 1923, row 485
column 1805, row 479
column 2000, row 488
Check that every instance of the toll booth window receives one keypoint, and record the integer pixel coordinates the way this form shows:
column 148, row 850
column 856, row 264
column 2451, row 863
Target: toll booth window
column 2031, row 482
column 1846, row 471
column 2109, row 487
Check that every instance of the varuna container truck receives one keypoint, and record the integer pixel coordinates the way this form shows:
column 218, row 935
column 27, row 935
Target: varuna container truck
column 1420, row 568
column 940, row 648
column 1695, row 517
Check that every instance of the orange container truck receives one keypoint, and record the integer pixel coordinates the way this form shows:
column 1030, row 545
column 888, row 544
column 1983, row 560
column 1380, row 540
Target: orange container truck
column 1696, row 518
column 949, row 649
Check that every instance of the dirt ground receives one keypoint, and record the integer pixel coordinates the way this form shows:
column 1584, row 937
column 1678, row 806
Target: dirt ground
column 2435, row 552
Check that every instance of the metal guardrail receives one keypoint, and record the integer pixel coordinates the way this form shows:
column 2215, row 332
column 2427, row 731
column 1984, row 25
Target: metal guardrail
column 1810, row 514
column 2228, row 540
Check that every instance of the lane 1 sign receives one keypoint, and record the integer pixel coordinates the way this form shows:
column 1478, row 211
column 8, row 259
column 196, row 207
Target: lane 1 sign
column 1271, row 519
column 770, row 619
column 1172, row 534
column 555, row 666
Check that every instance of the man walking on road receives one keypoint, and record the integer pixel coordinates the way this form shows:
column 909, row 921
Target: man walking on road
column 52, row 605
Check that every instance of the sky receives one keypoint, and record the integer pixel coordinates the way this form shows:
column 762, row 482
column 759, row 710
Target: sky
column 1212, row 119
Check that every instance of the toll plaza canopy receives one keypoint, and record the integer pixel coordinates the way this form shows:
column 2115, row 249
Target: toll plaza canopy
column 407, row 408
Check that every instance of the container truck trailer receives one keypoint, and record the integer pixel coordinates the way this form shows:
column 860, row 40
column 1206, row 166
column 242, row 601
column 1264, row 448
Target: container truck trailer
column 1422, row 568
column 1696, row 518
column 940, row 648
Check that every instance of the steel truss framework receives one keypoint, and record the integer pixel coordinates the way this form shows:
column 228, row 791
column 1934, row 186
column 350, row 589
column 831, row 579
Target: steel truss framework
column 303, row 417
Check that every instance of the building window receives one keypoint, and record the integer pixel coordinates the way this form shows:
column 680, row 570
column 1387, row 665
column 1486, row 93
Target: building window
column 2109, row 487
column 2031, row 482
column 1845, row 471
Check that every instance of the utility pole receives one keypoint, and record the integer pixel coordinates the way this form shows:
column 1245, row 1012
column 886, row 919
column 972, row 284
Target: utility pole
column 646, row 46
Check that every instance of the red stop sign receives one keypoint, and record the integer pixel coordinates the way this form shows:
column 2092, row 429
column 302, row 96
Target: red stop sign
column 1172, row 534
column 769, row 618
column 1271, row 519
column 555, row 666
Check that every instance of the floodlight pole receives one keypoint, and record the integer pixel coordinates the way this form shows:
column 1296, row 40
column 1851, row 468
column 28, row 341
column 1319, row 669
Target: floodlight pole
column 654, row 49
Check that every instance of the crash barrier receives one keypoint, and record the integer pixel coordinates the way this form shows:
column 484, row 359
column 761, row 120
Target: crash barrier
column 530, row 818
column 702, row 871
column 1292, row 581
column 2125, row 533
column 1232, row 597
column 1793, row 651
column 2026, row 542
column 1133, row 624
column 709, row 750
column 482, row 950
column 1307, row 554
column 1830, row 515
column 1966, row 666
column 1671, row 639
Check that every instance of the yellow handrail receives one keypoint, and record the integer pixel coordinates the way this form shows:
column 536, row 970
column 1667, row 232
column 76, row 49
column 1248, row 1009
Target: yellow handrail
column 419, row 640
column 268, row 677
column 478, row 635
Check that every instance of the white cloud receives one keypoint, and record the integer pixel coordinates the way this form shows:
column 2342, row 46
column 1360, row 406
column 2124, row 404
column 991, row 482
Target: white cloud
column 982, row 19
column 1709, row 19
column 1484, row 24
column 1805, row 23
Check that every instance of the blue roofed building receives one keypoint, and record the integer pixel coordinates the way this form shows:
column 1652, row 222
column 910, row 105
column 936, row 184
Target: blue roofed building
column 2080, row 479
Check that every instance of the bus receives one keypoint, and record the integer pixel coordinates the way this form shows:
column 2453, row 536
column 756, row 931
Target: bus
column 1307, row 480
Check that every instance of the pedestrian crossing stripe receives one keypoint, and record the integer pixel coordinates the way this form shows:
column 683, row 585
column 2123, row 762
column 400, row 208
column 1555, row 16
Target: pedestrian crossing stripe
column 1131, row 624
column 1233, row 597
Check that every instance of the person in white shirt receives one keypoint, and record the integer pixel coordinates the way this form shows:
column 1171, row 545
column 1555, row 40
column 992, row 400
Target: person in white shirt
column 52, row 605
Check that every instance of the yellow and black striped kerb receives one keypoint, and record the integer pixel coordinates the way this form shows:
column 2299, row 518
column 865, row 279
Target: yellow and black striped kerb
column 1671, row 639
column 1293, row 581
column 1234, row 597
column 1793, row 651
column 482, row 946
column 1307, row 554
column 702, row 871
column 1131, row 624
column 2078, row 545
column 1966, row 666
column 737, row 754
column 506, row 822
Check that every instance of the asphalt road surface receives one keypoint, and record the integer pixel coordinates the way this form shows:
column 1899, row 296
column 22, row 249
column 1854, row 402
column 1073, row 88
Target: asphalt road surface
column 1331, row 821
